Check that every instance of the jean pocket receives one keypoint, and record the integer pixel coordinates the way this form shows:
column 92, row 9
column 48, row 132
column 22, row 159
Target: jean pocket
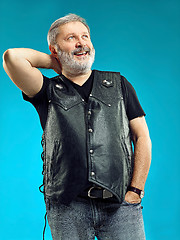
column 130, row 204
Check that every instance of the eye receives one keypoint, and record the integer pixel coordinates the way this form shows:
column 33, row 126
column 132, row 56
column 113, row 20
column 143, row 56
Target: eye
column 85, row 36
column 70, row 37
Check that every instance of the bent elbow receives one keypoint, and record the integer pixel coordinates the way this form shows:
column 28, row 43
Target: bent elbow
column 8, row 56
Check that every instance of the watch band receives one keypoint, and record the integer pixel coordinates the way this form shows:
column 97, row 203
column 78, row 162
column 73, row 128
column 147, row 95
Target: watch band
column 136, row 190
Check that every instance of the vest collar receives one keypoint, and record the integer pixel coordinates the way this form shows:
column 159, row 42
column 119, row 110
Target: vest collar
column 102, row 88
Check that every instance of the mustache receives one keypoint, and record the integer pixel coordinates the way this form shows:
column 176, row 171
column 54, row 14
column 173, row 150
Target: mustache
column 81, row 49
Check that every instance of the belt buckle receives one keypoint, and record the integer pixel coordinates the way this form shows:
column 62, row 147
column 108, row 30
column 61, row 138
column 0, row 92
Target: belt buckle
column 89, row 193
column 106, row 193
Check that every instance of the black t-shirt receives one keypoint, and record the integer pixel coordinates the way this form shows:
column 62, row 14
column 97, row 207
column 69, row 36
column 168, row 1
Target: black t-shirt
column 40, row 100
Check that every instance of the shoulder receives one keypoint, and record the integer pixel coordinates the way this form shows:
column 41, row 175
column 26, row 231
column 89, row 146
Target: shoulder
column 103, row 71
column 127, row 86
column 110, row 73
column 125, row 82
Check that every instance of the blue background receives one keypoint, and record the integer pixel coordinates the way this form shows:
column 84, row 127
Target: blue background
column 141, row 39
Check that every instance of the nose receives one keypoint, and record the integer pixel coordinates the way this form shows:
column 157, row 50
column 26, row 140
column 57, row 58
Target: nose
column 80, row 43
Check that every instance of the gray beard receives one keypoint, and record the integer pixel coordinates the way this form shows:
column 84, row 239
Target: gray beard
column 75, row 67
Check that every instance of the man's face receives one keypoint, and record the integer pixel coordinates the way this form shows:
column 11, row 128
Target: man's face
column 75, row 49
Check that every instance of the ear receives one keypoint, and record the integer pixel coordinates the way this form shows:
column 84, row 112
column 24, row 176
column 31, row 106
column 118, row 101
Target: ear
column 53, row 50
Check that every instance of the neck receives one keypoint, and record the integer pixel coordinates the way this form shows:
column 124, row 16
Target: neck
column 79, row 79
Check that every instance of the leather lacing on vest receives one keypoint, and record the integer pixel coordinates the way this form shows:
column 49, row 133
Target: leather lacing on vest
column 40, row 188
column 42, row 157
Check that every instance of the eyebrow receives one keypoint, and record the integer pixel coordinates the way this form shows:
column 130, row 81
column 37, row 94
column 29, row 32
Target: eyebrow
column 69, row 34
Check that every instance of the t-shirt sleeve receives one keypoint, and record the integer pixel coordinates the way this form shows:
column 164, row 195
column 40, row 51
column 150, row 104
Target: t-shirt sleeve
column 132, row 104
column 40, row 101
column 39, row 95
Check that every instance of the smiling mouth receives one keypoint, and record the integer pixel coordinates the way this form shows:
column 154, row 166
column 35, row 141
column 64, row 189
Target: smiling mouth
column 80, row 54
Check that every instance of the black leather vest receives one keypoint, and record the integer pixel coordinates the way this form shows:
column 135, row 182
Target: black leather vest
column 86, row 140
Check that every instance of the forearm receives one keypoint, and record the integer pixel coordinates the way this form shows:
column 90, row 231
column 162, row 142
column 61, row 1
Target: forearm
column 21, row 65
column 29, row 56
column 142, row 160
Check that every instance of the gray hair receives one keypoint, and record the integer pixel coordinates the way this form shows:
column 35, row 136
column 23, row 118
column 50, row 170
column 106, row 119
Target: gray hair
column 54, row 29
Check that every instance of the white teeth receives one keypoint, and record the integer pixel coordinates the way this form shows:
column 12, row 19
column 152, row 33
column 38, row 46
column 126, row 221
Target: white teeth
column 81, row 53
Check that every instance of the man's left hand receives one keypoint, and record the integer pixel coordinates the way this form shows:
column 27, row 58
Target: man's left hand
column 132, row 197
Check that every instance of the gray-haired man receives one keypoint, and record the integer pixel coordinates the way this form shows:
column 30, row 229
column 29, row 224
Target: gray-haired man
column 93, row 180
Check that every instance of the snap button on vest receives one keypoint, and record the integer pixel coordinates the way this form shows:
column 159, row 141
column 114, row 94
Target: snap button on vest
column 107, row 83
column 59, row 86
column 92, row 173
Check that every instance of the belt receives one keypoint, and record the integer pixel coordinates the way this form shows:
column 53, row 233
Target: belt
column 98, row 192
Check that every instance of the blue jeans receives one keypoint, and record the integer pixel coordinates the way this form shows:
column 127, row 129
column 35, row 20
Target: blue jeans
column 86, row 218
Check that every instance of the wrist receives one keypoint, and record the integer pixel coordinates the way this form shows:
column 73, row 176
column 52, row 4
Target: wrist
column 137, row 191
column 52, row 61
column 55, row 64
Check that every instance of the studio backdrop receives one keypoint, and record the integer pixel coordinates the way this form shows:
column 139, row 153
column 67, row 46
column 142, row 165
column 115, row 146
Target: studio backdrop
column 138, row 38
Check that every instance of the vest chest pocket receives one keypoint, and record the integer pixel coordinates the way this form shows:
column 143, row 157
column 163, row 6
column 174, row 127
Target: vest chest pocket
column 64, row 105
column 64, row 98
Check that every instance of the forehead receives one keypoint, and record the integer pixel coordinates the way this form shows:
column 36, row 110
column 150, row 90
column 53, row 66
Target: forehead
column 72, row 27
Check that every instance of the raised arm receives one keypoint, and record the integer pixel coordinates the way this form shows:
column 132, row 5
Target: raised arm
column 142, row 156
column 21, row 65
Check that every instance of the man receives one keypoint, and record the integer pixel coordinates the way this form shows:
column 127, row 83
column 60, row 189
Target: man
column 93, row 181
